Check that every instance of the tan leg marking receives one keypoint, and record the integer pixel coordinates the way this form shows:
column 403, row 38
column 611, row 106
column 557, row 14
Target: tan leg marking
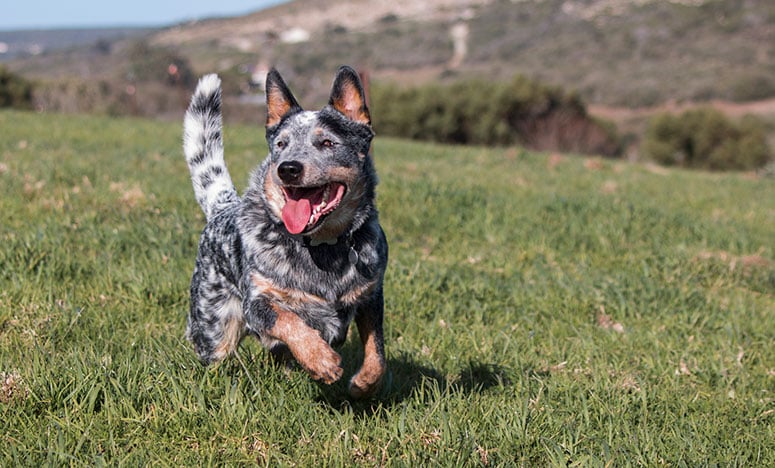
column 308, row 348
column 233, row 323
column 368, row 378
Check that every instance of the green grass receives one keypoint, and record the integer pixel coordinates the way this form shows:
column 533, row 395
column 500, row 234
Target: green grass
column 540, row 311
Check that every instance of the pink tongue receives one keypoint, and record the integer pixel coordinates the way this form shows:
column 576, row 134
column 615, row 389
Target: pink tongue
column 296, row 214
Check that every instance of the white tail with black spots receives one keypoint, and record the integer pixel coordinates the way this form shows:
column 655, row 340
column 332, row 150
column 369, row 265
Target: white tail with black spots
column 203, row 147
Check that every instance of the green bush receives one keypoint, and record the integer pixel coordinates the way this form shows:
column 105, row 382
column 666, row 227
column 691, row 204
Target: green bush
column 15, row 91
column 521, row 111
column 705, row 138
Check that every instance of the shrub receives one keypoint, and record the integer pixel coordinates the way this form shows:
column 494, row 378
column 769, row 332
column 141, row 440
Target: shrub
column 752, row 86
column 150, row 63
column 521, row 111
column 705, row 138
column 15, row 91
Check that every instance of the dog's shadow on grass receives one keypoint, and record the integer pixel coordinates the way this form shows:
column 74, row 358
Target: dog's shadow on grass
column 407, row 379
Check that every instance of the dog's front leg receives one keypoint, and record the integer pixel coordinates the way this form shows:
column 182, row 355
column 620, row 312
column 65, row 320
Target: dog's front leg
column 313, row 353
column 369, row 322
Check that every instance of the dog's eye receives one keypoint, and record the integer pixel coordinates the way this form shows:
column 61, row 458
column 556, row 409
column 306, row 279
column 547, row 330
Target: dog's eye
column 280, row 144
column 327, row 143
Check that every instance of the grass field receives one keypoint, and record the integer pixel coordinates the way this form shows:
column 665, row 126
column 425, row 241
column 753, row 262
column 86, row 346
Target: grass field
column 541, row 310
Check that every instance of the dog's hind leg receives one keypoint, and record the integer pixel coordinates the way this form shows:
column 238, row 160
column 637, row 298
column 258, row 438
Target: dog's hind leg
column 216, row 322
column 369, row 321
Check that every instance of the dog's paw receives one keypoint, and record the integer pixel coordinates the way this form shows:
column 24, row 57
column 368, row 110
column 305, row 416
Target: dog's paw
column 366, row 382
column 323, row 364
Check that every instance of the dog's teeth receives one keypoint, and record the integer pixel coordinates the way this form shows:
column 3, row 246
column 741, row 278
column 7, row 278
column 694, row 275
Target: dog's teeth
column 323, row 203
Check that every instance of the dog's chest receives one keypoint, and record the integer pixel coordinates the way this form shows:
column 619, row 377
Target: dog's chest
column 325, row 294
column 336, row 276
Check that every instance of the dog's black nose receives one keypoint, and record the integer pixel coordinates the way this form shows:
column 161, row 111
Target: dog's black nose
column 290, row 171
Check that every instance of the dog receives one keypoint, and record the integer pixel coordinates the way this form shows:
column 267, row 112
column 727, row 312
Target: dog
column 301, row 254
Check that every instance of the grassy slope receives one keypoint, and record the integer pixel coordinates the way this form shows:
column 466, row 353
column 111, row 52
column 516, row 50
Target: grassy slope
column 540, row 310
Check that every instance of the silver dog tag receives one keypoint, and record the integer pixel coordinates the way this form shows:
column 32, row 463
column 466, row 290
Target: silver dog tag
column 353, row 256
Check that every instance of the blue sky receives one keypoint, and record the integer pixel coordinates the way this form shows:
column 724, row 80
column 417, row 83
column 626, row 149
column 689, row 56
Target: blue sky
column 35, row 14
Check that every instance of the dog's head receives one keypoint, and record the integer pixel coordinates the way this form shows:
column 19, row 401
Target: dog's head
column 319, row 168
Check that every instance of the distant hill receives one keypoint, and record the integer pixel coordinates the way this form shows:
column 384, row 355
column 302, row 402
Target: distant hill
column 625, row 53
column 617, row 52
column 26, row 43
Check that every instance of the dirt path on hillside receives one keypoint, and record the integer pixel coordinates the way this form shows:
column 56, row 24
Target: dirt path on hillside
column 764, row 109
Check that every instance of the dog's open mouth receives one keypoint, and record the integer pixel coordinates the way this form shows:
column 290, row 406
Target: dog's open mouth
column 305, row 207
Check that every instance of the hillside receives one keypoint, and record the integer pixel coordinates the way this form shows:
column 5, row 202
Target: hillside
column 622, row 53
column 631, row 53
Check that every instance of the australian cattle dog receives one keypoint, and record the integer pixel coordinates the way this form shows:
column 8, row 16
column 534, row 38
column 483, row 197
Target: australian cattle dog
column 301, row 254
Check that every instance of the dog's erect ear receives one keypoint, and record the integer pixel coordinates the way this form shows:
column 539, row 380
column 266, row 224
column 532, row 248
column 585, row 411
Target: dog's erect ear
column 279, row 100
column 347, row 96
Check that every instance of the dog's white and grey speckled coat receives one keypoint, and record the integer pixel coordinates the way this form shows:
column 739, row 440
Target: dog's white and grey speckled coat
column 251, row 271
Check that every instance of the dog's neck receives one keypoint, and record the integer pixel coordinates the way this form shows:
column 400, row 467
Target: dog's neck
column 347, row 240
column 314, row 241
